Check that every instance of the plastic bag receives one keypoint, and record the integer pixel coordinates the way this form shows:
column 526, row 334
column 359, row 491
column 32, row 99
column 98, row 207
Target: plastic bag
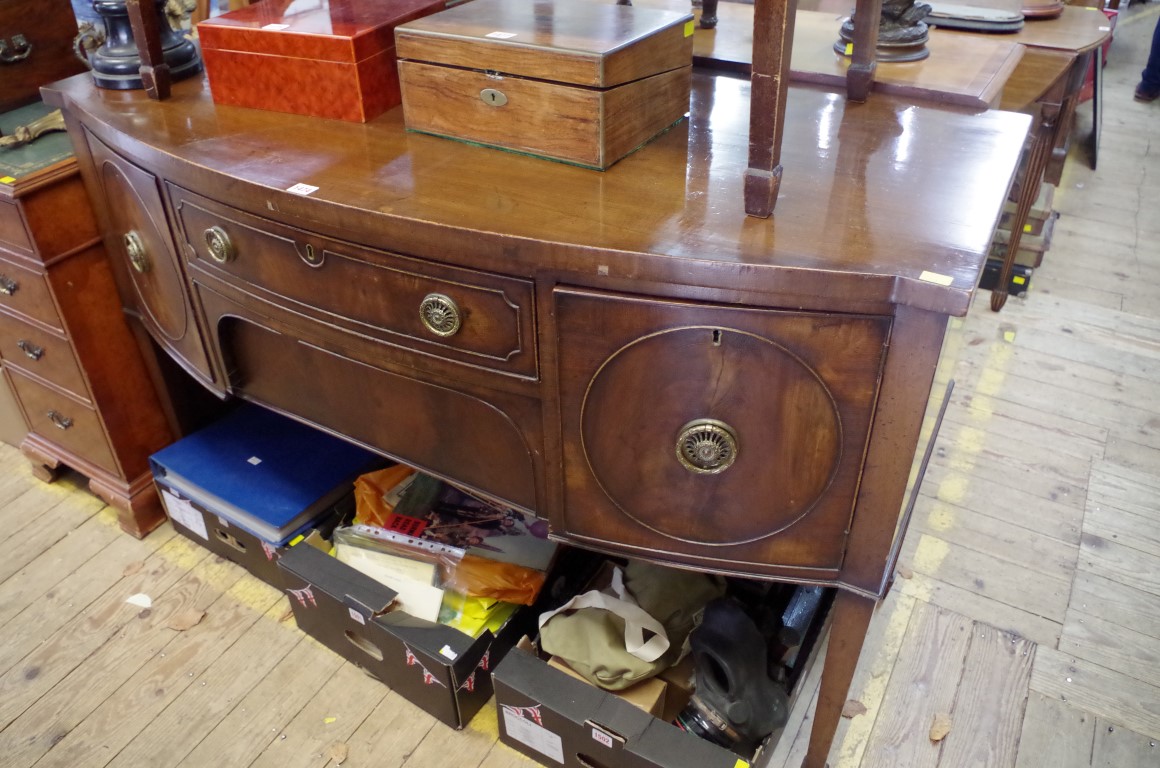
column 479, row 577
column 373, row 494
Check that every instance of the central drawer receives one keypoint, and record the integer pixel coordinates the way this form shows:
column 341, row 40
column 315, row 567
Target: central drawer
column 470, row 317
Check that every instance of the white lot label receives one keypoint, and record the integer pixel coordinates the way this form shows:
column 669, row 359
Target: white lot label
column 935, row 277
column 535, row 736
column 183, row 513
column 501, row 35
column 302, row 189
column 602, row 737
column 276, row 27
column 357, row 616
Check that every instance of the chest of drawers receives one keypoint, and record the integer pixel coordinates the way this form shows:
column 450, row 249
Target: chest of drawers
column 76, row 371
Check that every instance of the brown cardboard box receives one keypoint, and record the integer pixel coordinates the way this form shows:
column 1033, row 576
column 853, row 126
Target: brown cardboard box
column 582, row 83
column 649, row 694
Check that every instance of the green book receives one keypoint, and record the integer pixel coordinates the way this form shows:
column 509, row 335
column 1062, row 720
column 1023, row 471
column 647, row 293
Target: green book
column 49, row 149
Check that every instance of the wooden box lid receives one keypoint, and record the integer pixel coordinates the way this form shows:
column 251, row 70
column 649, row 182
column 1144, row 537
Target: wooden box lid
column 346, row 31
column 579, row 42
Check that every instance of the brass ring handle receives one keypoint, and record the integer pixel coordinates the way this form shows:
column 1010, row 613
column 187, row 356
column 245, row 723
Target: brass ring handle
column 135, row 250
column 440, row 315
column 29, row 349
column 706, row 446
column 59, row 420
column 221, row 248
column 8, row 286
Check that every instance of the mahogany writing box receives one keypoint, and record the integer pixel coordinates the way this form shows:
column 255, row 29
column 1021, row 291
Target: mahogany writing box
column 571, row 80
column 327, row 58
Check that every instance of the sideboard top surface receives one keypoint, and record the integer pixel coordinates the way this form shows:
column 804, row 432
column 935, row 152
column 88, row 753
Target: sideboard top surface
column 881, row 203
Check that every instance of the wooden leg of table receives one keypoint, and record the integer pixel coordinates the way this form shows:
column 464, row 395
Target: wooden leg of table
column 851, row 619
column 1058, row 157
column 769, row 87
column 864, row 59
column 708, row 14
column 1041, row 145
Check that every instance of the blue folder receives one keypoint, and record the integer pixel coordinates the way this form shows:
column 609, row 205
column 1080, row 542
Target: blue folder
column 263, row 472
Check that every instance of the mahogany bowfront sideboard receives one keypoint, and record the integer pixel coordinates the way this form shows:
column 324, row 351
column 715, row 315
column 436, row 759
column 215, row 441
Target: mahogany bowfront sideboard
column 624, row 353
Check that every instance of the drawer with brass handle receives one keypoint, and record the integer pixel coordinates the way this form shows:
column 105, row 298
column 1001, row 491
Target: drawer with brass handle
column 39, row 352
column 25, row 291
column 66, row 422
column 478, row 318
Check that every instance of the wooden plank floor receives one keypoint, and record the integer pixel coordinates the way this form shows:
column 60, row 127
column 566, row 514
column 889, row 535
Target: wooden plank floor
column 1027, row 609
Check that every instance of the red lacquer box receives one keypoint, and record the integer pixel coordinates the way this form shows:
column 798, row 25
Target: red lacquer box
column 327, row 58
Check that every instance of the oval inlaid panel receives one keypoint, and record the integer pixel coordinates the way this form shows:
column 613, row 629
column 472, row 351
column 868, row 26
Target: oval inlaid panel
column 785, row 421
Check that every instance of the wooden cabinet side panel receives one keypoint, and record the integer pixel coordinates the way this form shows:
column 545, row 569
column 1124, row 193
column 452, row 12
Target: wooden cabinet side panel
column 915, row 345
column 118, row 379
column 59, row 218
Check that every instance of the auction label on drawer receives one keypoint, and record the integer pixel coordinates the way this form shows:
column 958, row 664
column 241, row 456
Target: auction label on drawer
column 531, row 733
column 183, row 513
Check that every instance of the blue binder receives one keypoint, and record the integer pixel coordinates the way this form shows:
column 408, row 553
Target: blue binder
column 265, row 473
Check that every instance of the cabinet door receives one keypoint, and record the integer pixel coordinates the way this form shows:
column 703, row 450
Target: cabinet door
column 718, row 436
column 143, row 254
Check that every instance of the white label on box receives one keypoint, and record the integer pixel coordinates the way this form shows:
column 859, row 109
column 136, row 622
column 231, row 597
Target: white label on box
column 535, row 736
column 276, row 27
column 357, row 616
column 501, row 35
column 183, row 513
column 223, row 522
column 254, row 460
column 302, row 189
column 602, row 737
column 446, row 651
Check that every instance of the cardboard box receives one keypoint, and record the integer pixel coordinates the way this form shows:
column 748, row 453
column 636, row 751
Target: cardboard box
column 440, row 669
column 335, row 59
column 579, row 82
column 647, row 695
column 560, row 719
column 247, row 485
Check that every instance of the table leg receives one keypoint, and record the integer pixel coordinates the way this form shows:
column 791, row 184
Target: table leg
column 708, row 14
column 1041, row 145
column 851, row 619
column 773, row 22
column 864, row 58
column 1079, row 69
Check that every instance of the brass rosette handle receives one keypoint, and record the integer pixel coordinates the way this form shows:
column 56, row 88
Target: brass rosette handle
column 440, row 315
column 221, row 248
column 135, row 250
column 59, row 420
column 707, row 446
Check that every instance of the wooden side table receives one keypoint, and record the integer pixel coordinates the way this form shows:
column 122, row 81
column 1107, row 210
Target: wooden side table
column 65, row 347
column 1046, row 83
